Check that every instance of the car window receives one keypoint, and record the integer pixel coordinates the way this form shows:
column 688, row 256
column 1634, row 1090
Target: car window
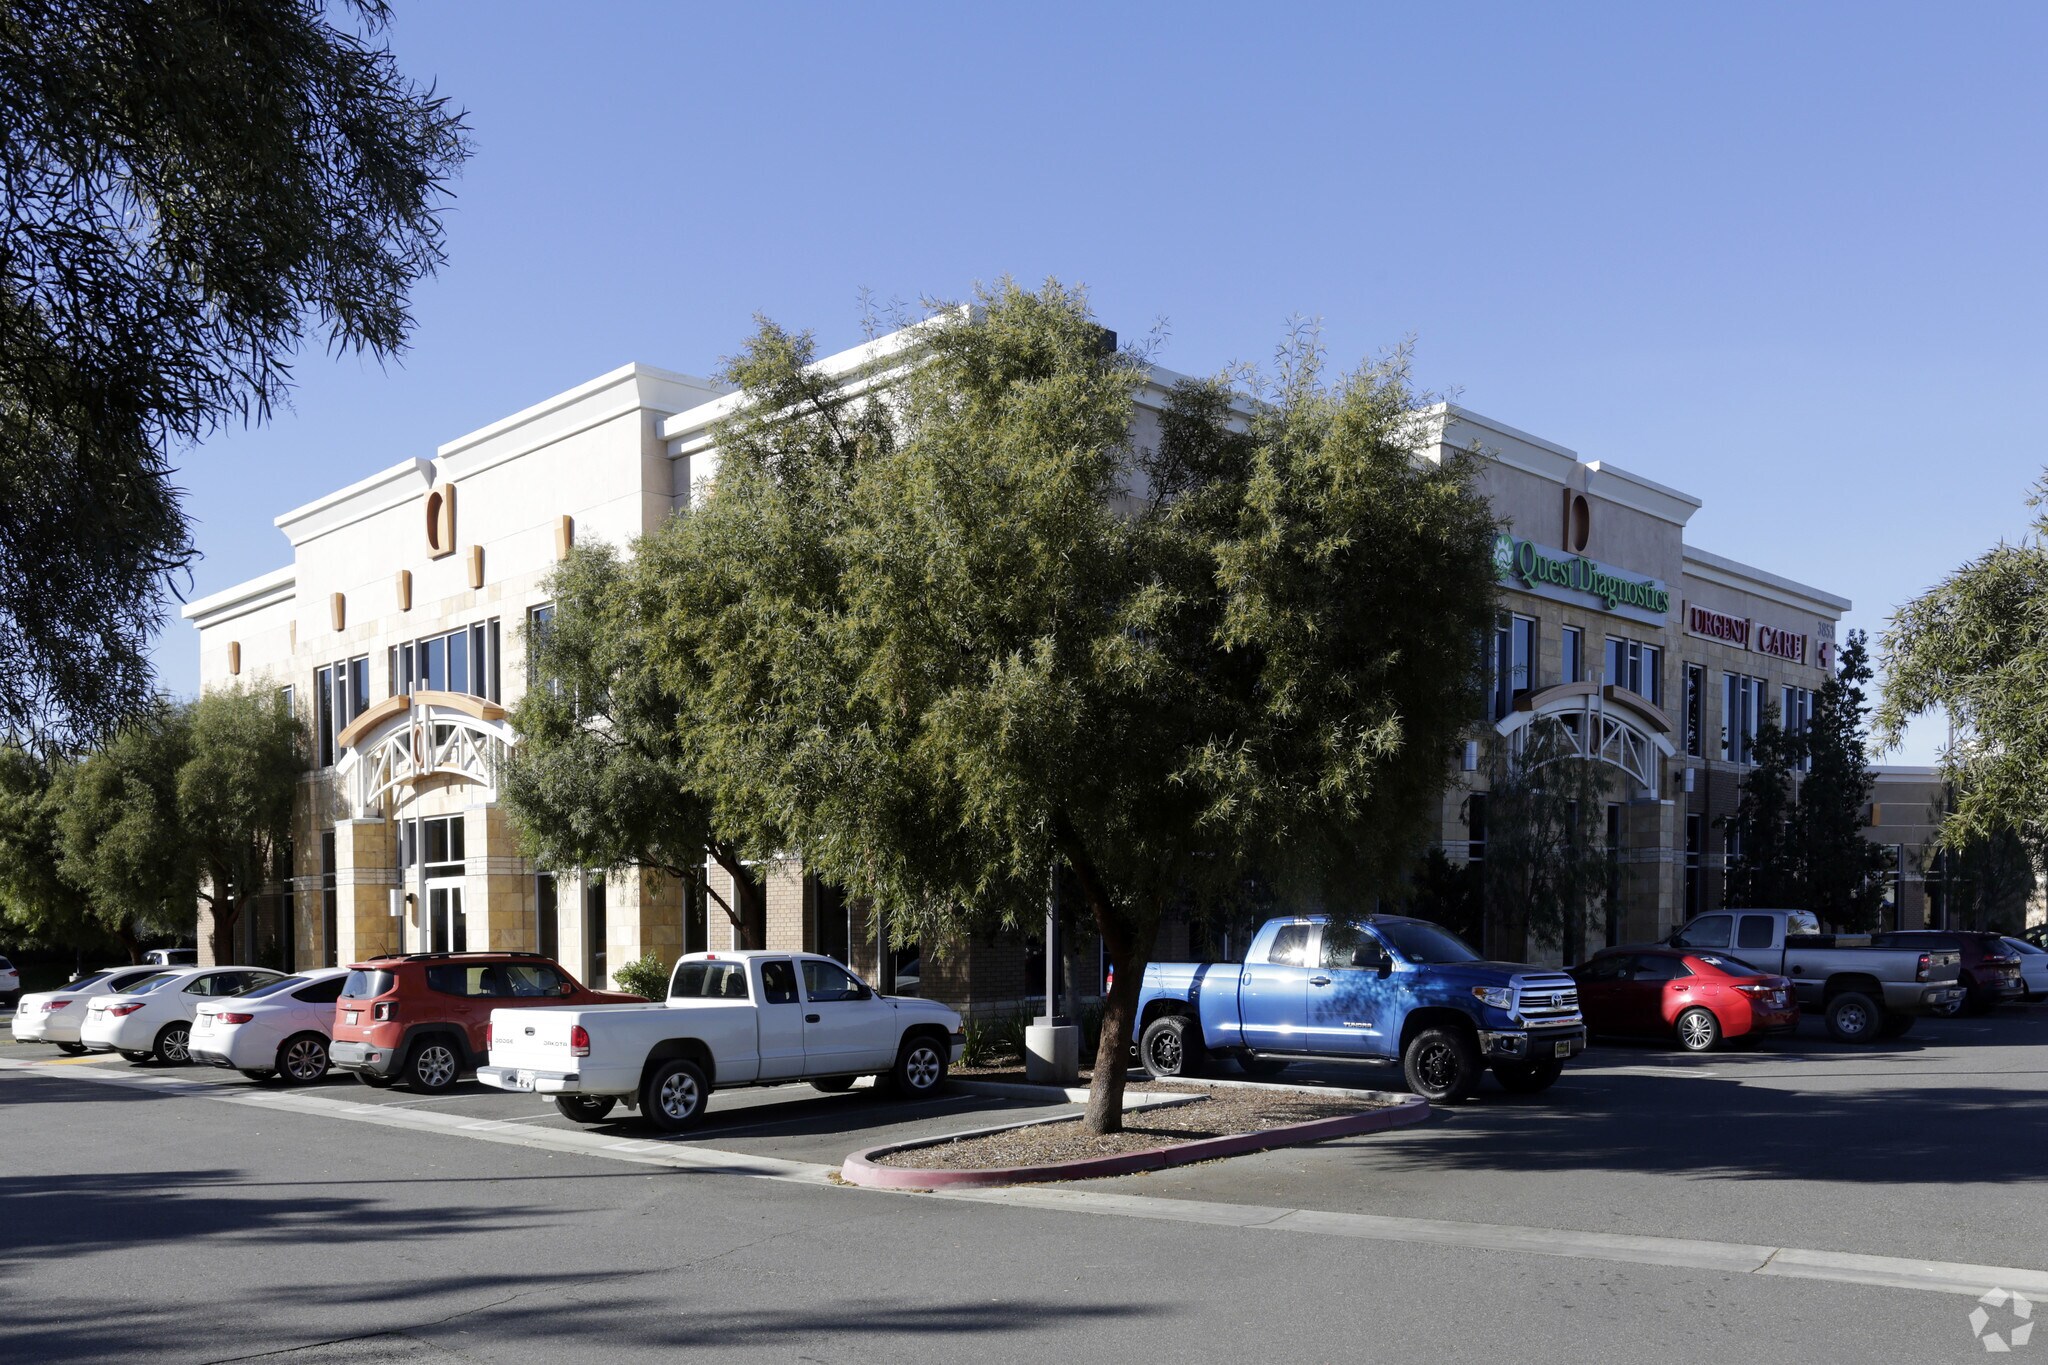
column 709, row 981
column 1604, row 969
column 320, row 992
column 87, row 980
column 778, row 982
column 283, row 983
column 488, row 981
column 1708, row 931
column 1730, row 966
column 2023, row 948
column 1420, row 941
column 363, row 985
column 1651, row 967
column 826, row 981
column 1754, row 931
column 1347, row 945
column 1290, row 946
column 144, row 985
column 529, row 979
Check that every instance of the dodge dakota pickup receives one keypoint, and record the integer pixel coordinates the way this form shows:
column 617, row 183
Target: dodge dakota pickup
column 1373, row 988
column 731, row 1019
column 1864, row 993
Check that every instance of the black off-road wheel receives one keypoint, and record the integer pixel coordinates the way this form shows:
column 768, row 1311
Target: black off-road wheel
column 1171, row 1046
column 1442, row 1065
column 1527, row 1078
column 584, row 1108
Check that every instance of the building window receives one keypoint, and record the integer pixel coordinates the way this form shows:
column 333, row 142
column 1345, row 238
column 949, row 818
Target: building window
column 597, row 970
column 1571, row 655
column 342, row 692
column 1695, row 711
column 539, row 621
column 464, row 660
column 1695, row 847
column 1742, row 711
column 1514, row 654
column 1614, row 833
column 1796, row 709
column 330, row 908
column 547, row 936
column 1637, row 667
column 1475, row 827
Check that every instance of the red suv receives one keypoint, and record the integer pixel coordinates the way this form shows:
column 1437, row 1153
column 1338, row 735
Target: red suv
column 425, row 1018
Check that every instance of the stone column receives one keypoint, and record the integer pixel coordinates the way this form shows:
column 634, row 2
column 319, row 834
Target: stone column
column 365, row 872
column 497, row 884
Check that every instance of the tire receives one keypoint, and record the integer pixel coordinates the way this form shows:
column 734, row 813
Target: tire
column 674, row 1096
column 137, row 1058
column 1853, row 1017
column 302, row 1059
column 1441, row 1065
column 1698, row 1030
column 1171, row 1047
column 72, row 1049
column 376, row 1082
column 920, row 1068
column 1895, row 1026
column 1251, row 1064
column 1527, row 1078
column 833, row 1085
column 584, row 1108
column 432, row 1066
column 174, row 1044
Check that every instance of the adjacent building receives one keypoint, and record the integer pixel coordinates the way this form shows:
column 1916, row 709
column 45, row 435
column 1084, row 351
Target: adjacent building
column 398, row 624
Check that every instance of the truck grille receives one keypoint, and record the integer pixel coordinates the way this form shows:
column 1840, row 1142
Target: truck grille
column 1547, row 999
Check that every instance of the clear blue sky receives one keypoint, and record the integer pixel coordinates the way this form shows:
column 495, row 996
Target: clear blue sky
column 1784, row 258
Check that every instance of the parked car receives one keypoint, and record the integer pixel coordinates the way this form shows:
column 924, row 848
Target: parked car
column 1699, row 999
column 56, row 1016
column 425, row 1018
column 2033, row 967
column 2036, row 934
column 277, row 1029
column 1378, row 988
column 1990, row 971
column 1865, row 990
column 152, row 1019
column 10, row 983
column 731, row 1019
column 172, row 957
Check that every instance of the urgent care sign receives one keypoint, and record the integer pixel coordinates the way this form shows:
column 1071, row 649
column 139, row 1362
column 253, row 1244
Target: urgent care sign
column 1743, row 633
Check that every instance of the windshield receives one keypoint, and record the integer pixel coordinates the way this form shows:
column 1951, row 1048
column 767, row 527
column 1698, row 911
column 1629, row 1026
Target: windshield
column 367, row 985
column 82, row 982
column 150, row 983
column 272, row 987
column 1421, row 942
column 2024, row 948
column 1729, row 966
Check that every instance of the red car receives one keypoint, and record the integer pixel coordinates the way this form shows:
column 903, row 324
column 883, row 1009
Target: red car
column 1698, row 997
column 425, row 1018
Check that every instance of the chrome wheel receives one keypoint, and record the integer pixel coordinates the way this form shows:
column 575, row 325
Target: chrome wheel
column 679, row 1096
column 923, row 1067
column 1697, row 1031
column 434, row 1066
column 304, row 1060
column 174, row 1045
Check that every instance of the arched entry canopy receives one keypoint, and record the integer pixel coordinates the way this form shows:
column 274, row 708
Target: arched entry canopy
column 405, row 740
column 1607, row 723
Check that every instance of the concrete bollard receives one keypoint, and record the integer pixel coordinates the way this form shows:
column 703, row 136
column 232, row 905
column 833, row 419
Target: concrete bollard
column 1052, row 1053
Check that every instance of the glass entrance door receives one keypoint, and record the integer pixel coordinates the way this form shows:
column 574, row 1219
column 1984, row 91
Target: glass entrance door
column 447, row 924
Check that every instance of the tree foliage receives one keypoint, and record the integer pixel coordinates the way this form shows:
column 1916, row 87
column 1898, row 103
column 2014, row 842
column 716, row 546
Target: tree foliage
column 1767, row 868
column 1545, row 874
column 1976, row 647
column 245, row 753
column 37, row 904
column 124, row 845
column 1844, row 871
column 939, row 641
column 601, row 777
column 190, row 186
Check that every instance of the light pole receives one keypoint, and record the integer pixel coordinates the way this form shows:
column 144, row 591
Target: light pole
column 1052, row 1044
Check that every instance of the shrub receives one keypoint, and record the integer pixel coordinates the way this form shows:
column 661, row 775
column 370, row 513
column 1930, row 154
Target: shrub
column 977, row 1042
column 1008, row 1033
column 648, row 977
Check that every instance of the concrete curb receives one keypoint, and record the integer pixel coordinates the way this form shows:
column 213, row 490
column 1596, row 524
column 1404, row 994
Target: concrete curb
column 861, row 1169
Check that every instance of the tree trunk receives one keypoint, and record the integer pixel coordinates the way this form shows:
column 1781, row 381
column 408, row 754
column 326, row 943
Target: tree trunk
column 130, row 944
column 1128, row 939
column 747, row 896
column 227, row 912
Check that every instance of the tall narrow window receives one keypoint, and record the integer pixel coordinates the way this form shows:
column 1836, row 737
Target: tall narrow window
column 1695, row 847
column 1514, row 659
column 1695, row 711
column 1475, row 827
column 1743, row 708
column 597, row 971
column 547, row 912
column 1796, row 714
column 1636, row 666
column 330, row 908
column 1571, row 655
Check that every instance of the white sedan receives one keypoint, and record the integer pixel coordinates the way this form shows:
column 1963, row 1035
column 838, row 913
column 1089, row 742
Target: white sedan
column 280, row 1029
column 2033, row 967
column 56, row 1016
column 153, row 1018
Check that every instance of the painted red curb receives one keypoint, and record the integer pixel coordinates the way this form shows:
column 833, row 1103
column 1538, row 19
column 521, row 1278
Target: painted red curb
column 861, row 1168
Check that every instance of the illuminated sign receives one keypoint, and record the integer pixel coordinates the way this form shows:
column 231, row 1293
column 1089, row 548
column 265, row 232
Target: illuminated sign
column 1571, row 578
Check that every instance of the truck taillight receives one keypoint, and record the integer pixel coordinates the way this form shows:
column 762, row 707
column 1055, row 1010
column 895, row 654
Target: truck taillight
column 234, row 1018
column 384, row 1011
column 1925, row 963
column 579, row 1041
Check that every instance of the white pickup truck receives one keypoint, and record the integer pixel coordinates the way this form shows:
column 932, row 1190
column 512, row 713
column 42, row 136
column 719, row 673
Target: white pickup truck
column 731, row 1019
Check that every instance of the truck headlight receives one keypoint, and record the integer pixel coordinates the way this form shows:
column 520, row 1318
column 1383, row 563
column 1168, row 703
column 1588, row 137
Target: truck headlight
column 1499, row 997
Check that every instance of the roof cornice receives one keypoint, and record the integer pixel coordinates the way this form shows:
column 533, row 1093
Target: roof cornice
column 1730, row 573
column 266, row 590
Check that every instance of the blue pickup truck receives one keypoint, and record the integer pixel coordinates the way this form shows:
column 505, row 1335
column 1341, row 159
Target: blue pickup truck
column 1372, row 988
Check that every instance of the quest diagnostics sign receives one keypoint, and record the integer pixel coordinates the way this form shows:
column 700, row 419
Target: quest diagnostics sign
column 1575, row 578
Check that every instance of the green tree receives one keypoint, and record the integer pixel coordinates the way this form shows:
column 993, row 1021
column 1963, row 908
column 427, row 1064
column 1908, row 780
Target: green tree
column 123, row 841
column 37, row 904
column 1450, row 894
column 1767, row 868
column 192, row 186
column 245, row 753
column 1842, row 871
column 1989, row 883
column 600, row 777
column 1545, row 875
column 1976, row 647
column 939, row 643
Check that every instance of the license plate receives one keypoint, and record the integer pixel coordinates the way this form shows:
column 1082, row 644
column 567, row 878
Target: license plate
column 205, row 1022
column 1561, row 1049
column 350, row 1016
